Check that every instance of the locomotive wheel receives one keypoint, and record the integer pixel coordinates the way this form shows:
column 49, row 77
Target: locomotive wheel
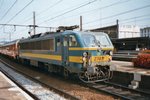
column 65, row 73
column 108, row 74
column 83, row 76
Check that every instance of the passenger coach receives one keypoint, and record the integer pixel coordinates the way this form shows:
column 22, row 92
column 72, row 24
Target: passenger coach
column 10, row 49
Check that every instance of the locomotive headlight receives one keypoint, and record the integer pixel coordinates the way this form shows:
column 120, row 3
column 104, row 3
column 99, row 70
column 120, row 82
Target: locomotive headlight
column 85, row 59
column 111, row 53
column 85, row 54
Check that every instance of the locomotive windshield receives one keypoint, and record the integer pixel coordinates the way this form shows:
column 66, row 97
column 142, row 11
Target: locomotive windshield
column 102, row 39
column 89, row 40
column 94, row 40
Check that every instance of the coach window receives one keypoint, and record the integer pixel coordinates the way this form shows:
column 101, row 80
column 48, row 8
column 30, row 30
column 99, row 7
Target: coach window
column 52, row 44
column 21, row 46
column 72, row 41
column 38, row 45
column 45, row 44
column 27, row 46
column 31, row 46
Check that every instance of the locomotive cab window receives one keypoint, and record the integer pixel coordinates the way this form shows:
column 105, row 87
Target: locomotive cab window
column 72, row 41
column 103, row 40
column 65, row 42
column 58, row 42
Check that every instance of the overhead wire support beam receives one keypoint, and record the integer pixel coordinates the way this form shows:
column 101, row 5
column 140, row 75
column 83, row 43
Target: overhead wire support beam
column 25, row 25
column 14, row 25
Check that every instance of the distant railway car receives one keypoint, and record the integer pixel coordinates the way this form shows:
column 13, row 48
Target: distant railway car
column 86, row 54
column 10, row 49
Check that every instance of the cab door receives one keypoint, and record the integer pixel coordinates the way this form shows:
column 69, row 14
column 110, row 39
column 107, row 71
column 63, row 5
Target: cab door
column 65, row 45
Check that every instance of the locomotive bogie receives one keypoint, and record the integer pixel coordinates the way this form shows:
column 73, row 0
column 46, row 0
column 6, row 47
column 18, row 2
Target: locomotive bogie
column 33, row 63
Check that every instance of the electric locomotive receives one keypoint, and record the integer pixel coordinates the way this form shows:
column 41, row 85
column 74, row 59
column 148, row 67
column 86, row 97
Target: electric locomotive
column 86, row 54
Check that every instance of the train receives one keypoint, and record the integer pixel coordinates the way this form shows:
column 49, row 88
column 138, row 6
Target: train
column 85, row 54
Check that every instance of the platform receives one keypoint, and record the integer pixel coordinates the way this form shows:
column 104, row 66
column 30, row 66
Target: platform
column 129, row 67
column 10, row 91
column 125, row 73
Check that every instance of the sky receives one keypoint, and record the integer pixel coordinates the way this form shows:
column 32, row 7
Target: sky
column 55, row 13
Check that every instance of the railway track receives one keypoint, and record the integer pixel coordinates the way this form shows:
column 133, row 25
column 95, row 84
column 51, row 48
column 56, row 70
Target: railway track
column 36, row 80
column 18, row 84
column 115, row 90
column 120, row 91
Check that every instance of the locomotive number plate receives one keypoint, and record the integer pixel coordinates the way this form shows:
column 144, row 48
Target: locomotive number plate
column 100, row 59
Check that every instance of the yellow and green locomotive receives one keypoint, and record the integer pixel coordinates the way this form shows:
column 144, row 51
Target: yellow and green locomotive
column 86, row 54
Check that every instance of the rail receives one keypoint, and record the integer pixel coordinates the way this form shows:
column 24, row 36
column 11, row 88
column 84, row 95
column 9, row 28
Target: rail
column 56, row 90
column 120, row 91
column 18, row 84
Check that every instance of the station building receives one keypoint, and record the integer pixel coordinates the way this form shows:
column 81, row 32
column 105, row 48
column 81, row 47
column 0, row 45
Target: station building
column 145, row 32
column 129, row 31
column 120, row 31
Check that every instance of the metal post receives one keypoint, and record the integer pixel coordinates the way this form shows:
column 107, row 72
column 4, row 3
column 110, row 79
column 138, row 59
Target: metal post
column 80, row 23
column 34, row 31
column 117, row 28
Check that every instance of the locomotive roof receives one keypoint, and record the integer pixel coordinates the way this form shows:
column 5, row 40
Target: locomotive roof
column 10, row 43
column 43, row 36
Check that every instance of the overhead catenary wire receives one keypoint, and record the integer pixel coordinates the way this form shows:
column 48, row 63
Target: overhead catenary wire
column 136, row 17
column 136, row 20
column 19, row 11
column 124, row 20
column 122, row 13
column 70, row 11
column 43, row 11
column 107, row 6
column 88, row 11
column 120, row 1
column 50, row 7
column 63, row 10
column 9, row 10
